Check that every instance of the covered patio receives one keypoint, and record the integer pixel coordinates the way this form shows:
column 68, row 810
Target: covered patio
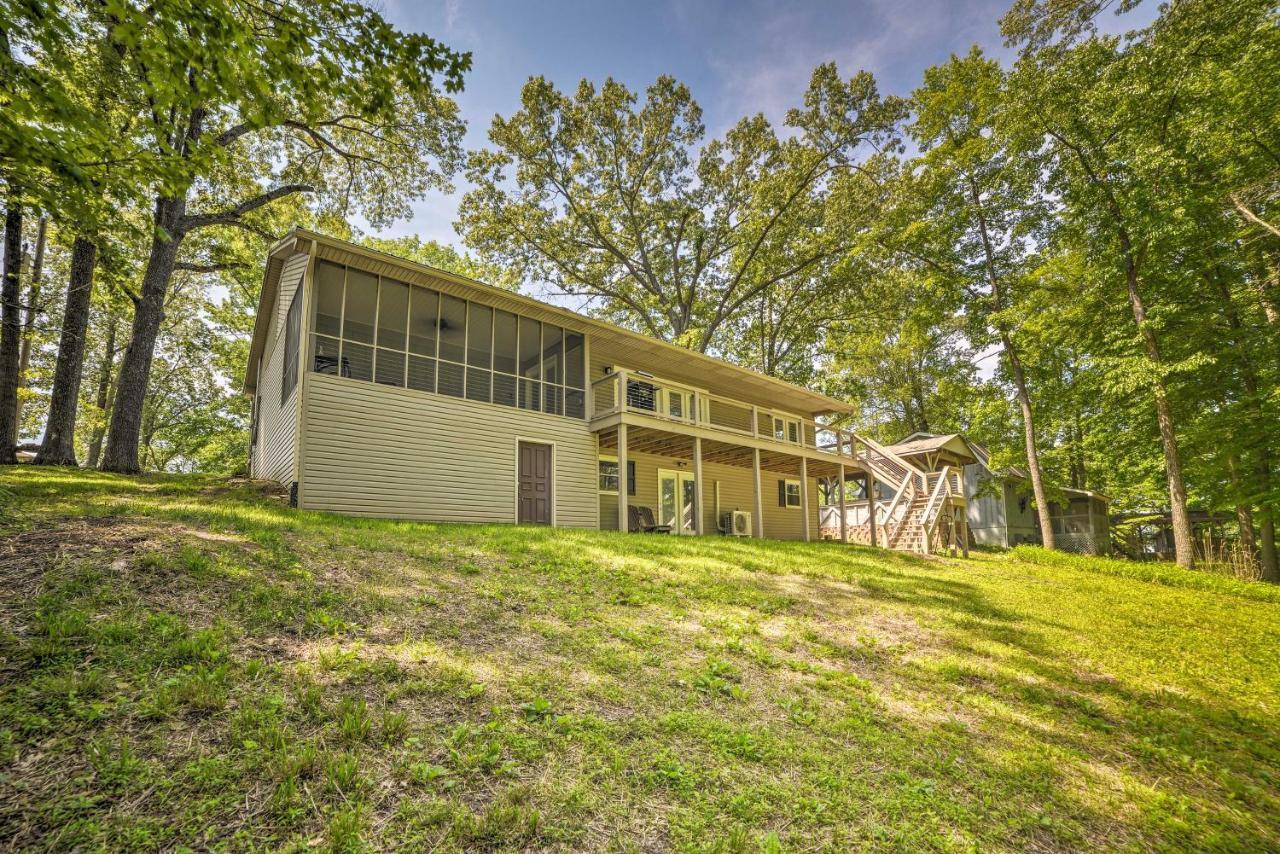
column 695, row 478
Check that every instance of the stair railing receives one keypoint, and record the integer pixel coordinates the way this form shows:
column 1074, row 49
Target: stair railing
column 928, row 520
column 907, row 492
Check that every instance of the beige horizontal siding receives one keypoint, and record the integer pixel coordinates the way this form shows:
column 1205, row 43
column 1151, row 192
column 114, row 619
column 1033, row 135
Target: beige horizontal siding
column 277, row 422
column 737, row 492
column 375, row 450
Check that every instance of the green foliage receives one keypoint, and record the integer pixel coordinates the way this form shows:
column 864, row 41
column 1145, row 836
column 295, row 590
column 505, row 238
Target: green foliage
column 607, row 196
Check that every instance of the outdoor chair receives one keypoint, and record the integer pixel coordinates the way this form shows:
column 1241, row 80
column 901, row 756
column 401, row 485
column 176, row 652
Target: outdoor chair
column 640, row 521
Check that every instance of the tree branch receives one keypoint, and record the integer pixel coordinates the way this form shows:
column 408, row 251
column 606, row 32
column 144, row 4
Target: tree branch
column 231, row 216
column 1251, row 216
column 208, row 268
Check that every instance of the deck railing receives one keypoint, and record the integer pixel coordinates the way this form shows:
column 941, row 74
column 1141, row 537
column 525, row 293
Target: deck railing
column 626, row 390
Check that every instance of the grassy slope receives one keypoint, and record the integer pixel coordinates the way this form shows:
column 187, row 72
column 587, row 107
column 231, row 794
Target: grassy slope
column 186, row 663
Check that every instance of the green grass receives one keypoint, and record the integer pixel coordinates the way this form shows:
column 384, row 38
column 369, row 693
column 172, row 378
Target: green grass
column 186, row 662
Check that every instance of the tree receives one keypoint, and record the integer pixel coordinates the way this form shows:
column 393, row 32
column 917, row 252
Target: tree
column 1118, row 129
column 33, row 310
column 899, row 349
column 981, row 219
column 58, row 447
column 47, row 137
column 620, row 205
column 10, row 326
column 441, row 256
column 323, row 98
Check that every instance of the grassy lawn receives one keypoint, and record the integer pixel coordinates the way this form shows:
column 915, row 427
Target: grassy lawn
column 185, row 662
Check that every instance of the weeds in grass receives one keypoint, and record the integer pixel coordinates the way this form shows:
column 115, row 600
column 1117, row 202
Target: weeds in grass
column 353, row 719
column 393, row 727
column 342, row 775
column 719, row 679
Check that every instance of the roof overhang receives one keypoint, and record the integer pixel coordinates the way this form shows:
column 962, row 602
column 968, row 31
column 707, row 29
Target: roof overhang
column 610, row 343
column 291, row 244
column 919, row 445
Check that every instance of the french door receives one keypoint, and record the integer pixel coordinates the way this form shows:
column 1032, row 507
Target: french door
column 678, row 501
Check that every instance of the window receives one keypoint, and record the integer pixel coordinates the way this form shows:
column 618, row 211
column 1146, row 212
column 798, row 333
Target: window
column 786, row 430
column 788, row 493
column 609, row 475
column 382, row 330
column 253, row 421
column 292, row 331
column 642, row 395
column 679, row 403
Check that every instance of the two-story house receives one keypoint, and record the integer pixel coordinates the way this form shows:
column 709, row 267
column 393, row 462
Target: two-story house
column 383, row 387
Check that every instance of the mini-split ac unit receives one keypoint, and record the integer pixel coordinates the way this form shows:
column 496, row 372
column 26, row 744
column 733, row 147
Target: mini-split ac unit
column 736, row 523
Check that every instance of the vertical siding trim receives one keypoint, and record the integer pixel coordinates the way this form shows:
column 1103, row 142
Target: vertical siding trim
column 306, row 325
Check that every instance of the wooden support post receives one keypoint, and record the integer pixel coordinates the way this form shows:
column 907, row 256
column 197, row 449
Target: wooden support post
column 623, row 524
column 804, row 497
column 758, row 516
column 844, row 519
column 699, row 521
column 871, row 506
column 964, row 531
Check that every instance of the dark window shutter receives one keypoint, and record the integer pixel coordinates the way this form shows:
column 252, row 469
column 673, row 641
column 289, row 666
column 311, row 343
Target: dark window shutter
column 782, row 493
column 631, row 477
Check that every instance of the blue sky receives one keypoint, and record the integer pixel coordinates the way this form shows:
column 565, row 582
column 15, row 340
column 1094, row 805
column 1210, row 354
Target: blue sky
column 738, row 58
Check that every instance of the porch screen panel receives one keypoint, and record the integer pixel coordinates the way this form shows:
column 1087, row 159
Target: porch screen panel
column 479, row 351
column 424, row 319
column 552, row 369
column 383, row 330
column 575, row 374
column 530, row 396
column 361, row 306
column 330, row 279
column 453, row 329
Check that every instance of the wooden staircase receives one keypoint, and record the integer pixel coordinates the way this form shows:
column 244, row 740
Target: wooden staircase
column 922, row 516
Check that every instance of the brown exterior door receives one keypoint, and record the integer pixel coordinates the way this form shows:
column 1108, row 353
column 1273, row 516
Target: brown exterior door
column 533, row 483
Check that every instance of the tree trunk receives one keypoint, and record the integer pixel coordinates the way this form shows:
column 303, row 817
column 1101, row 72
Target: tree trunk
column 1029, row 440
column 59, row 446
column 1079, row 477
column 998, row 295
column 33, row 301
column 1270, row 563
column 9, row 329
column 1184, row 548
column 103, row 395
column 1257, row 429
column 121, row 452
column 1244, row 513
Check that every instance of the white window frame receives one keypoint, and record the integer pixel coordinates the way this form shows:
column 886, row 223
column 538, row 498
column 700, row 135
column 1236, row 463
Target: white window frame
column 607, row 458
column 782, row 426
column 786, row 491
